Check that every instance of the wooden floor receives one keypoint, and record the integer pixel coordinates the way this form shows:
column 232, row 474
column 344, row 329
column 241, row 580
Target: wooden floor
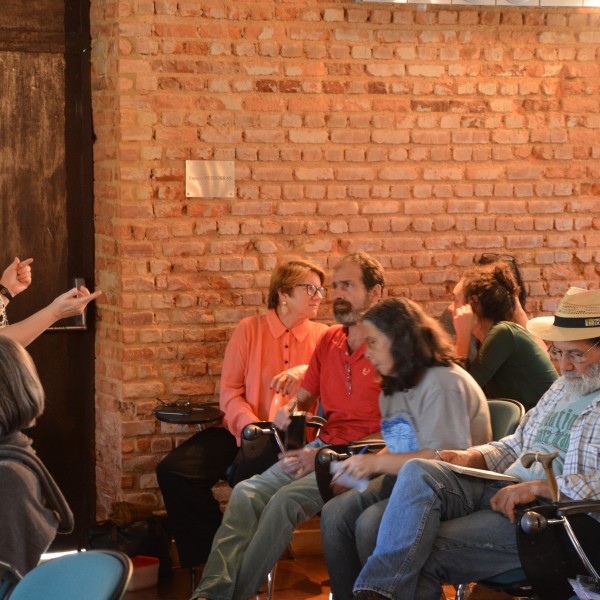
column 301, row 578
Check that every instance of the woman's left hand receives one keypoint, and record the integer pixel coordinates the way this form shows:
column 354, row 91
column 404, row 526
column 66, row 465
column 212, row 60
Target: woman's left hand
column 360, row 465
column 72, row 303
column 298, row 462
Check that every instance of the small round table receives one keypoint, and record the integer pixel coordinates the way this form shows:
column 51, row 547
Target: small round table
column 204, row 415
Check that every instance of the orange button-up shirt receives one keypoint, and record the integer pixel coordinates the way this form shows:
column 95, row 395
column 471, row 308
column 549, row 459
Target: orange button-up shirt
column 260, row 348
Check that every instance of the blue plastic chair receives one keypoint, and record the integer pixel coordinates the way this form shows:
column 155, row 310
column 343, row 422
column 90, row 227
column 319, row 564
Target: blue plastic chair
column 93, row 575
column 505, row 415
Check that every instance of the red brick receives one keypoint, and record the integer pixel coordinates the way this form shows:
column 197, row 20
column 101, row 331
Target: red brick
column 406, row 133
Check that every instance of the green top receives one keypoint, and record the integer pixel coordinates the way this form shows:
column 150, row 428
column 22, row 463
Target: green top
column 510, row 364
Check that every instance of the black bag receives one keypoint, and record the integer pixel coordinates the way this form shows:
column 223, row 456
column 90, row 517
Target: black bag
column 146, row 537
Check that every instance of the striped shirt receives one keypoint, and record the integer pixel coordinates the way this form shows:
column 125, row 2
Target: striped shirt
column 580, row 479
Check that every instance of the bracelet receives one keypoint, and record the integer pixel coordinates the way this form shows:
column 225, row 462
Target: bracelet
column 5, row 292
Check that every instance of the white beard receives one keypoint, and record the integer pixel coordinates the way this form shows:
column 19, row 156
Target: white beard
column 582, row 384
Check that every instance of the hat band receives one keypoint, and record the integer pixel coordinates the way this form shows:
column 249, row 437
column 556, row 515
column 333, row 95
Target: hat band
column 579, row 323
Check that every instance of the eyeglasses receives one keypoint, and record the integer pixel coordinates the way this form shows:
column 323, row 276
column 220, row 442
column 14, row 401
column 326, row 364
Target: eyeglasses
column 312, row 289
column 489, row 257
column 349, row 378
column 573, row 356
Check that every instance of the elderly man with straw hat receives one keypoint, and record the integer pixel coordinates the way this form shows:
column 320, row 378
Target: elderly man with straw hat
column 440, row 525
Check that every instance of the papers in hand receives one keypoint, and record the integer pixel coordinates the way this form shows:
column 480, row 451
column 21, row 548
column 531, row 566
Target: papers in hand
column 342, row 478
column 480, row 473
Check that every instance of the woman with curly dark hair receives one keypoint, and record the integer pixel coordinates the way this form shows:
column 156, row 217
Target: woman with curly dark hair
column 510, row 363
column 427, row 402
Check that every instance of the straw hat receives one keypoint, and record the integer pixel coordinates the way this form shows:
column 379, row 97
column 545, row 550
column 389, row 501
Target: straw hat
column 577, row 318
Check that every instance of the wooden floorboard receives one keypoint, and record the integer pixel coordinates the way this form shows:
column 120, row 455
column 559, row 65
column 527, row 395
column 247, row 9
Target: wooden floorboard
column 303, row 577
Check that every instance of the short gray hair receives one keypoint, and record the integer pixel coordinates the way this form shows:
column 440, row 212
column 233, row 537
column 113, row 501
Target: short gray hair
column 21, row 392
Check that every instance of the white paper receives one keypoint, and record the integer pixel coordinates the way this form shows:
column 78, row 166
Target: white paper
column 481, row 473
column 342, row 478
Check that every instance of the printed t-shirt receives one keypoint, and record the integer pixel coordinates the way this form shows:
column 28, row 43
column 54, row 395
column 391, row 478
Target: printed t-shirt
column 553, row 435
column 446, row 409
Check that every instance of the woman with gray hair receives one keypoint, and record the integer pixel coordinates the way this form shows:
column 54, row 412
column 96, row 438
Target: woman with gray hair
column 33, row 508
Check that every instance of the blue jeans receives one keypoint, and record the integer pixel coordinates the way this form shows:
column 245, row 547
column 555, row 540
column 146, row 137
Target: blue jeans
column 257, row 526
column 349, row 525
column 438, row 526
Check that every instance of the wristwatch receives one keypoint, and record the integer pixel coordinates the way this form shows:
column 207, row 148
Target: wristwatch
column 5, row 292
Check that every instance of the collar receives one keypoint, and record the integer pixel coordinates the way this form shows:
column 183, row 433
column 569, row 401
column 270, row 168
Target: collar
column 278, row 329
column 342, row 344
column 594, row 400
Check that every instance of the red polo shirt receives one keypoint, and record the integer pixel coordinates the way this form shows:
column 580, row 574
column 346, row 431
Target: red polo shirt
column 348, row 387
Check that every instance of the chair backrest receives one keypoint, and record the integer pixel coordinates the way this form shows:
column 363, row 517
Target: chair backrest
column 92, row 575
column 505, row 415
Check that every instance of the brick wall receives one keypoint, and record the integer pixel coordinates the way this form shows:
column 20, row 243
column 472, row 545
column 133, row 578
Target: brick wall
column 422, row 136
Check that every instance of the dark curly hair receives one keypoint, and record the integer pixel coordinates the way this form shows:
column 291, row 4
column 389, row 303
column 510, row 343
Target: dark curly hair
column 494, row 289
column 418, row 341
column 489, row 258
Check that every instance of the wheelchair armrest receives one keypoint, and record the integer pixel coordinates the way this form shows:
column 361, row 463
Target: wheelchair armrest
column 325, row 456
column 294, row 436
column 316, row 421
column 343, row 451
column 576, row 507
column 374, row 445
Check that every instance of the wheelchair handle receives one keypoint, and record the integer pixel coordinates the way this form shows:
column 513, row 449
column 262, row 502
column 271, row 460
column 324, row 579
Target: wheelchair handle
column 327, row 456
column 532, row 522
column 252, row 432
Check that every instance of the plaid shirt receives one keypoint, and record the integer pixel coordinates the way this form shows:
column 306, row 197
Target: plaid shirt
column 580, row 479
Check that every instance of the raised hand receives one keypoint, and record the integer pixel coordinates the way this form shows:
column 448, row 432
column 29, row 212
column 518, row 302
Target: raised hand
column 73, row 302
column 17, row 276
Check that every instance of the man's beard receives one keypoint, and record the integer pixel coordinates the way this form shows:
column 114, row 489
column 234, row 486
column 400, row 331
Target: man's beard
column 345, row 314
column 583, row 384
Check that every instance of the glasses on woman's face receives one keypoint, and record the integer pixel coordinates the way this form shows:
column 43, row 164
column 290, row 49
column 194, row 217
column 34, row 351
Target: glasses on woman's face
column 574, row 356
column 489, row 257
column 312, row 289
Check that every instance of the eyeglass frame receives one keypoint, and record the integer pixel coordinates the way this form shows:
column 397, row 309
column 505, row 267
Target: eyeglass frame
column 322, row 290
column 576, row 359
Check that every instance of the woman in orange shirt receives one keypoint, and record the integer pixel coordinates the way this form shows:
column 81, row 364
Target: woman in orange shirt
column 260, row 348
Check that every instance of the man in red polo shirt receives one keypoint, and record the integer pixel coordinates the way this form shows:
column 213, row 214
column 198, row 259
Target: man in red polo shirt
column 264, row 511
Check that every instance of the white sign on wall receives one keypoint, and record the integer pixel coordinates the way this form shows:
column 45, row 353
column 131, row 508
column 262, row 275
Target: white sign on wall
column 209, row 178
